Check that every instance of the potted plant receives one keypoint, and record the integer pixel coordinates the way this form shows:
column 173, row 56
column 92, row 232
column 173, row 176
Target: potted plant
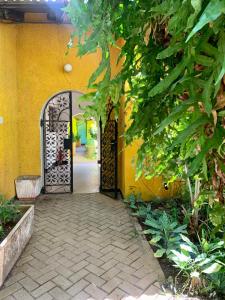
column 77, row 140
column 16, row 226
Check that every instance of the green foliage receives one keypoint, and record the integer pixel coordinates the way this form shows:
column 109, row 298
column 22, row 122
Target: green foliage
column 76, row 138
column 173, row 59
column 217, row 218
column 93, row 133
column 1, row 231
column 173, row 65
column 143, row 211
column 165, row 233
column 203, row 265
column 134, row 201
column 8, row 212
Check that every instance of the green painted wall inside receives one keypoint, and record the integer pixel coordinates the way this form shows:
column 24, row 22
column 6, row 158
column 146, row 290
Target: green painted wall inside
column 8, row 110
column 82, row 131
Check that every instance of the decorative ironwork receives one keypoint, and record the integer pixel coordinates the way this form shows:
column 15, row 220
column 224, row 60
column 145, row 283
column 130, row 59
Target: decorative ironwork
column 57, row 140
column 108, row 178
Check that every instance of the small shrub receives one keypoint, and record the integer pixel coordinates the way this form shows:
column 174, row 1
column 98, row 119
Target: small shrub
column 203, row 265
column 134, row 201
column 165, row 233
column 9, row 213
column 143, row 211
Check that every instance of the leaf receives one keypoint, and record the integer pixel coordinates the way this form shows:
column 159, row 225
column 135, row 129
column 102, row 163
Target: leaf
column 221, row 113
column 187, row 248
column 155, row 239
column 207, row 95
column 168, row 80
column 205, row 169
column 183, row 135
column 222, row 72
column 214, row 268
column 221, row 57
column 205, row 261
column 152, row 223
column 169, row 51
column 200, row 257
column 180, row 256
column 197, row 4
column 174, row 115
column 204, row 60
column 186, row 239
column 180, row 229
column 212, row 11
column 147, row 231
column 160, row 252
column 198, row 160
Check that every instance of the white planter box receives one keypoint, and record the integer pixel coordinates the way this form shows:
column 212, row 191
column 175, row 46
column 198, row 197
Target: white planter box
column 28, row 186
column 12, row 246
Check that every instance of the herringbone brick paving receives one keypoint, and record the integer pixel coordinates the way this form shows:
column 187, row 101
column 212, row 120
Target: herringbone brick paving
column 84, row 246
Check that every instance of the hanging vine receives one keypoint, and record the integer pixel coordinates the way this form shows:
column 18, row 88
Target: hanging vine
column 174, row 63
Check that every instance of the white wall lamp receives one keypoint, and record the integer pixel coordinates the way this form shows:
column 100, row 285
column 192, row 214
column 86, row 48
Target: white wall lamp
column 68, row 68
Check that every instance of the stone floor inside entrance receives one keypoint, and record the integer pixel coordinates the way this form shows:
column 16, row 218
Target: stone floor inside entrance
column 84, row 246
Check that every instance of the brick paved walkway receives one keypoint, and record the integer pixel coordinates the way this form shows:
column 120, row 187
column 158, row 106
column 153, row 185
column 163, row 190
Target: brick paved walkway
column 83, row 247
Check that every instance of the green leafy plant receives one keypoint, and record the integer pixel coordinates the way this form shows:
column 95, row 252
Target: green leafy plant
column 143, row 211
column 131, row 201
column 172, row 57
column 200, row 263
column 1, row 231
column 93, row 133
column 217, row 218
column 76, row 138
column 9, row 213
column 165, row 233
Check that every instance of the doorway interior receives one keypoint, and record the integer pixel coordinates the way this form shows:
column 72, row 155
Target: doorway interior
column 86, row 170
column 77, row 154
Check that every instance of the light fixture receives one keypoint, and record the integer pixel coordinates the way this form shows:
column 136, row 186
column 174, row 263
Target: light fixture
column 68, row 68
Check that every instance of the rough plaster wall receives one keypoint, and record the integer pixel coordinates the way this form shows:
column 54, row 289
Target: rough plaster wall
column 8, row 110
column 41, row 57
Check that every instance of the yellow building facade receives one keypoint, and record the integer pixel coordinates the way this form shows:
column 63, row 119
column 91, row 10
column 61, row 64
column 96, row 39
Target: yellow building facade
column 32, row 57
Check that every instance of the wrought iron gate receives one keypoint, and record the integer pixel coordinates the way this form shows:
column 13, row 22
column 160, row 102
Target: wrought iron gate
column 57, row 144
column 108, row 153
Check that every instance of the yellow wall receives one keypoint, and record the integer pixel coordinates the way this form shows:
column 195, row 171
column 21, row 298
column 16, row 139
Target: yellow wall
column 41, row 57
column 74, row 125
column 32, row 57
column 127, row 158
column 8, row 110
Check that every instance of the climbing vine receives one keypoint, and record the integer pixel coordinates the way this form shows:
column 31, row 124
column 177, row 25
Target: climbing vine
column 173, row 62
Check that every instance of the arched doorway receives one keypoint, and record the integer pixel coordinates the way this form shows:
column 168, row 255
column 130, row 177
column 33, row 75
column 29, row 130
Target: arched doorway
column 57, row 147
column 57, row 144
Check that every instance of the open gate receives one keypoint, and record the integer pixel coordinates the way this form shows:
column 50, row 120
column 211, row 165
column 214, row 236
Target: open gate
column 108, row 155
column 57, row 144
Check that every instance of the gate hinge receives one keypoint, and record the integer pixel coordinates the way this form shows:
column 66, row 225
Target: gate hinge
column 41, row 122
